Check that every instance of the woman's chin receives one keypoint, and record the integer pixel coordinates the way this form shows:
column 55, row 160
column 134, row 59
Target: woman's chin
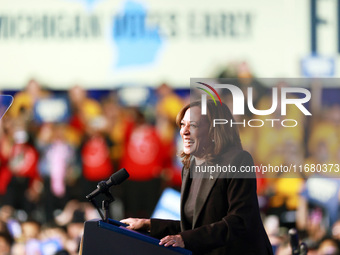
column 187, row 151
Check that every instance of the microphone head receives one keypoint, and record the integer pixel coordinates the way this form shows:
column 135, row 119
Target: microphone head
column 120, row 176
column 294, row 241
column 292, row 232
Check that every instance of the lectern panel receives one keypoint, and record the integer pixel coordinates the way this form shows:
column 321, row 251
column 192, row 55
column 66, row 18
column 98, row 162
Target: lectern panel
column 102, row 238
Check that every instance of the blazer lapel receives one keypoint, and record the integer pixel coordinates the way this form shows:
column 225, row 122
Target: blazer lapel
column 184, row 194
column 204, row 190
column 207, row 184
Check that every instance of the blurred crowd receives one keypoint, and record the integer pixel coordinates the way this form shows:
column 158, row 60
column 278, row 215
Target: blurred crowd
column 55, row 146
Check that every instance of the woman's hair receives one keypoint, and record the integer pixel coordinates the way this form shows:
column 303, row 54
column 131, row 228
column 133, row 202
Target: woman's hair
column 223, row 136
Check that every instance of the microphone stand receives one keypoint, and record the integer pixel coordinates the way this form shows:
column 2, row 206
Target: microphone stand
column 106, row 206
column 105, row 203
column 297, row 249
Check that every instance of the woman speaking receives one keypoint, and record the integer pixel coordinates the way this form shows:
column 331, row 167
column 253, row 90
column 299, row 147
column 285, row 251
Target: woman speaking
column 219, row 214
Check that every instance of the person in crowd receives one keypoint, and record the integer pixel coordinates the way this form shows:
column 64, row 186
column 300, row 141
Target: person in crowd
column 83, row 109
column 116, row 123
column 329, row 247
column 218, row 215
column 6, row 242
column 336, row 230
column 95, row 155
column 167, row 107
column 23, row 189
column 143, row 158
column 54, row 166
column 24, row 101
column 6, row 145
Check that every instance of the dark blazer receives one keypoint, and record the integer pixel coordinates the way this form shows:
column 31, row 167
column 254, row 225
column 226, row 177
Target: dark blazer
column 226, row 215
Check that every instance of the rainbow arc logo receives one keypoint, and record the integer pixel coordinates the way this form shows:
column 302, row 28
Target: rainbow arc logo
column 209, row 93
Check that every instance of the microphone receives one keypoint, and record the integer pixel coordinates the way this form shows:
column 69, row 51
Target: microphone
column 294, row 241
column 115, row 179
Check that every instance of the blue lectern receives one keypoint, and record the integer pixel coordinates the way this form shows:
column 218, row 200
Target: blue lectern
column 101, row 238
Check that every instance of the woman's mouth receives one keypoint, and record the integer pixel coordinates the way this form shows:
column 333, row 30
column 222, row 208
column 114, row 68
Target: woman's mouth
column 188, row 142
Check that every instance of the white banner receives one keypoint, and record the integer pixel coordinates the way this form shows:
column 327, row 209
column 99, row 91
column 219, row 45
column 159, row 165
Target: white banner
column 107, row 43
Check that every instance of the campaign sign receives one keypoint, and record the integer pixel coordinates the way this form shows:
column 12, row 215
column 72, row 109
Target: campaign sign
column 168, row 206
column 51, row 110
column 5, row 102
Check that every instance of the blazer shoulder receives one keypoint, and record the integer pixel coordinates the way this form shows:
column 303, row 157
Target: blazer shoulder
column 237, row 155
column 245, row 156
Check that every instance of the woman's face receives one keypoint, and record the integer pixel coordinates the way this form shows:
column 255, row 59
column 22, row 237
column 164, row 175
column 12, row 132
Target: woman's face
column 194, row 132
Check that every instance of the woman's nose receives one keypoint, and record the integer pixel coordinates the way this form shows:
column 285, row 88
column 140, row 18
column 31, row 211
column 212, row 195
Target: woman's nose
column 186, row 129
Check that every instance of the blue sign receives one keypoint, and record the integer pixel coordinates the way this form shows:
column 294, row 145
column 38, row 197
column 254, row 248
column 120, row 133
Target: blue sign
column 168, row 206
column 318, row 66
column 5, row 102
column 324, row 192
column 51, row 110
